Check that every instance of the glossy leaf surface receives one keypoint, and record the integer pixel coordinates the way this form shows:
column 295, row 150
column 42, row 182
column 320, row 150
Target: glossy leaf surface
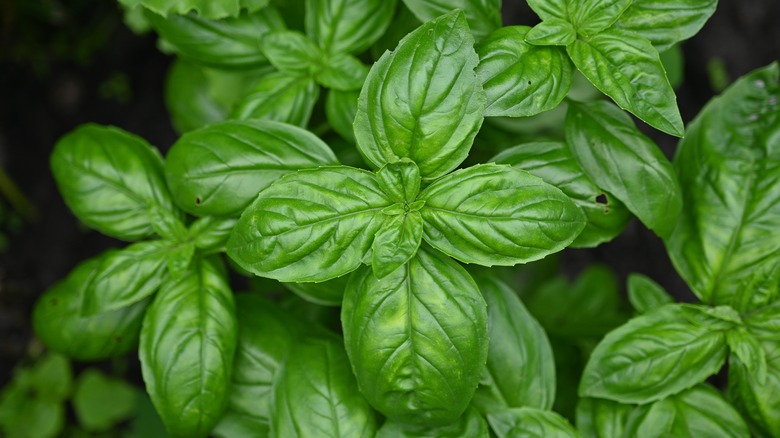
column 203, row 8
column 279, row 96
column 756, row 400
column 210, row 233
column 589, row 17
column 347, row 26
column 645, row 294
column 342, row 72
column 530, row 422
column 484, row 16
column 666, row 23
column 471, row 424
column 396, row 242
column 291, row 51
column 599, row 418
column 551, row 32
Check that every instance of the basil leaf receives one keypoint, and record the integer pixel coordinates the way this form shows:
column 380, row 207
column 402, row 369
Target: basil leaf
column 326, row 293
column 228, row 43
column 471, row 424
column 521, row 79
column 317, row 370
column 645, row 294
column 279, row 96
column 24, row 415
column 555, row 164
column 627, row 68
column 621, row 160
column 265, row 334
column 666, row 22
column 590, row 17
column 417, row 338
column 101, row 402
column 484, row 16
column 530, row 422
column 340, row 109
column 599, row 418
column 347, row 26
column 551, row 32
column 203, row 8
column 497, row 215
column 342, row 72
column 757, row 400
column 725, row 246
column 178, row 258
column 291, row 51
column 764, row 322
column 109, row 179
column 210, row 234
column 550, row 9
column 187, row 343
column 747, row 349
column 312, row 225
column 126, row 277
column 657, row 354
column 187, row 97
column 396, row 242
column 167, row 225
column 407, row 108
column 59, row 325
column 219, row 169
column 520, row 369
column 400, row 181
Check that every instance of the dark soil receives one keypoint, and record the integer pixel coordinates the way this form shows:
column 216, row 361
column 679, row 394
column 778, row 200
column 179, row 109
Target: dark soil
column 57, row 70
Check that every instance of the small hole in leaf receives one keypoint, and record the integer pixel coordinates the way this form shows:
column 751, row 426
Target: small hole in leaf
column 601, row 199
column 529, row 82
column 198, row 201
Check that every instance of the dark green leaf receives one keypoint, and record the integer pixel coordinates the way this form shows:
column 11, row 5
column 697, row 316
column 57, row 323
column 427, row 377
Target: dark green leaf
column 317, row 371
column 279, row 96
column 396, row 242
column 187, row 97
column 621, row 160
column 551, row 32
column 101, row 402
column 326, row 293
column 599, row 418
column 342, row 72
column 645, row 294
column 484, row 16
column 748, row 351
column 627, row 68
column 520, row 368
column 407, row 107
column 109, row 179
column 555, row 164
column 531, row 423
column 228, row 43
column 498, row 215
column 589, row 17
column 521, row 79
column 210, row 234
column 666, row 22
column 758, row 400
column 347, row 26
column 219, row 169
column 187, row 344
column 725, row 245
column 657, row 354
column 291, row 51
column 471, row 424
column 312, row 225
column 204, row 8
column 340, row 108
column 417, row 339
column 57, row 321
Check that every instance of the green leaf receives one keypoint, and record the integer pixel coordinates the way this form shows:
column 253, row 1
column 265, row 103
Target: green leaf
column 589, row 17
column 188, row 99
column 59, row 325
column 312, row 225
column 347, row 26
column 621, row 160
column 51, row 378
column 520, row 369
column 521, row 79
column 187, row 344
column 290, row 51
column 265, row 336
column 756, row 400
column 699, row 411
column 407, row 107
column 126, row 277
column 167, row 224
column 317, row 371
column 178, row 258
column 657, row 354
column 498, row 215
column 210, row 234
column 551, row 32
column 471, row 424
column 342, row 72
column 484, row 16
column 747, row 350
column 228, row 43
column 204, row 8
column 109, row 179
column 25, row 416
column 340, row 109
column 101, row 402
column 725, row 245
column 219, row 169
column 417, row 339
column 666, row 22
column 396, row 242
column 530, row 422
column 764, row 322
column 550, row 9
column 326, row 293
column 400, row 181
column 599, row 418
column 279, row 96
column 555, row 164
column 645, row 294
column 627, row 68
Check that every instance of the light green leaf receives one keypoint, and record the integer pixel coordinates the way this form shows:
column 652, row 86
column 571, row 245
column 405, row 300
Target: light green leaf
column 645, row 294
column 101, row 402
column 657, row 354
column 204, row 8
column 342, row 72
column 51, row 378
column 210, row 234
column 317, row 371
column 471, row 424
column 25, row 416
column 312, row 225
column 407, row 107
column 520, row 369
column 187, row 97
column 417, row 339
column 396, row 242
column 178, row 258
column 498, row 215
column 624, row 162
column 599, row 418
column 521, row 79
column 764, row 322
column 531, row 423
column 279, row 96
column 219, row 169
column 340, row 109
column 290, row 51
column 347, row 26
column 666, row 22
column 187, row 343
column 167, row 224
column 550, row 9
column 400, row 181
column 326, row 293
column 110, row 178
column 555, row 164
column 627, row 68
column 589, row 17
column 748, row 351
column 756, row 400
column 551, row 32
column 725, row 245
column 484, row 16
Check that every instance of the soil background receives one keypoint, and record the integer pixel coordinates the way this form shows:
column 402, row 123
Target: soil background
column 64, row 63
